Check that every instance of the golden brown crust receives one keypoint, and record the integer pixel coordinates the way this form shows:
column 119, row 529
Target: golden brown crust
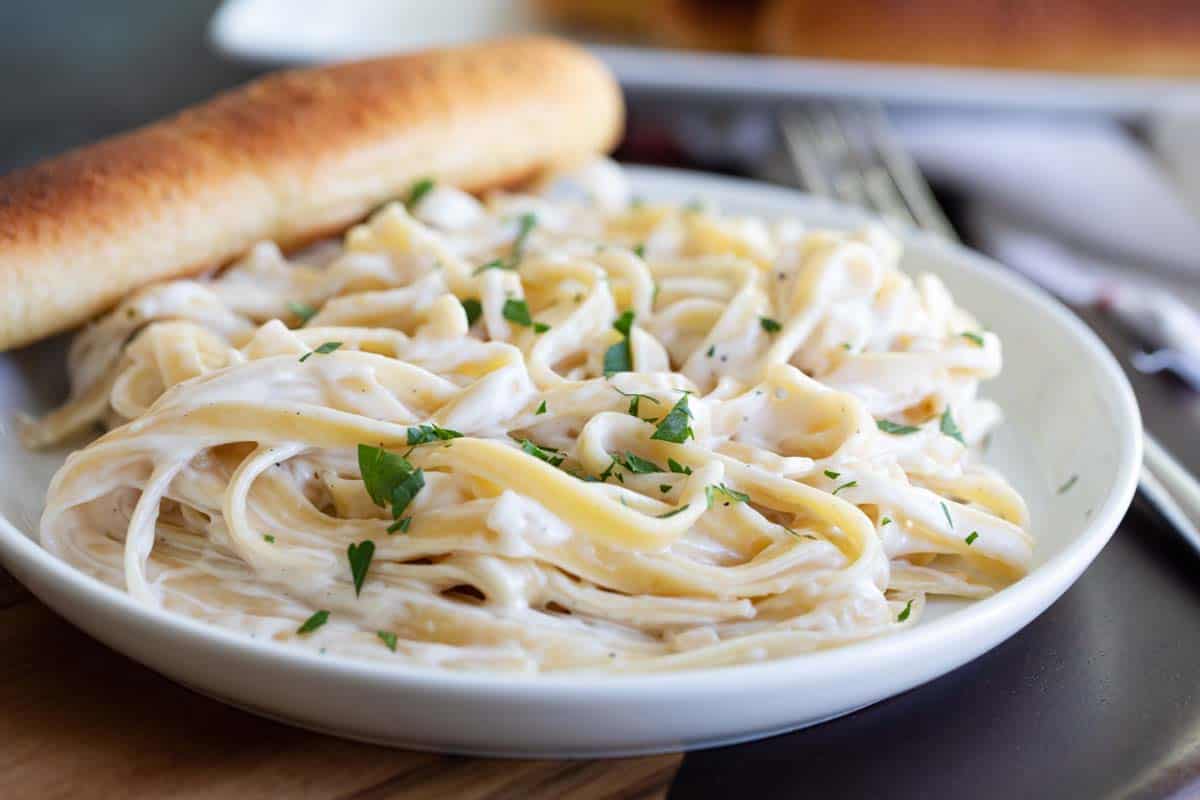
column 291, row 155
column 707, row 24
column 1147, row 37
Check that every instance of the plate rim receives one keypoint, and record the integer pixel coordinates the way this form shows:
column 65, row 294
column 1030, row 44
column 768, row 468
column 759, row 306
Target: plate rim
column 1035, row 591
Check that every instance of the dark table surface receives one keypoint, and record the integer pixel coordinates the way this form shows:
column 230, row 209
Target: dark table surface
column 1096, row 698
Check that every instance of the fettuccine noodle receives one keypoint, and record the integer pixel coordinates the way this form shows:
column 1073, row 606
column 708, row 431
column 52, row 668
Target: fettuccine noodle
column 634, row 437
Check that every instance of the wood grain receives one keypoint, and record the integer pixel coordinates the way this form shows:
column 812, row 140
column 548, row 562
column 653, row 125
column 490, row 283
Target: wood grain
column 77, row 719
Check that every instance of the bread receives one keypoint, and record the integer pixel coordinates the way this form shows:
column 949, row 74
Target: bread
column 1147, row 37
column 289, row 158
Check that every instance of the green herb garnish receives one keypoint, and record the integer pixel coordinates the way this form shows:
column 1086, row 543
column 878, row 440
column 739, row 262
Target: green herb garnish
column 948, row 426
column 388, row 638
column 424, row 434
column 517, row 311
column 634, row 400
column 675, row 466
column 1066, row 487
column 946, row 511
column 769, row 325
column 730, row 495
column 268, row 538
column 674, row 426
column 525, row 225
column 970, row 540
column 381, row 472
column 315, row 621
column 885, row 521
column 360, row 556
column 974, row 337
column 473, row 308
column 548, row 454
column 638, row 465
column 324, row 349
column 904, row 614
column 618, row 357
column 302, row 311
column 832, row 475
column 664, row 487
column 672, row 513
column 894, row 428
column 418, row 191
column 400, row 525
column 846, row 485
column 712, row 348
column 640, row 250
column 495, row 263
column 541, row 409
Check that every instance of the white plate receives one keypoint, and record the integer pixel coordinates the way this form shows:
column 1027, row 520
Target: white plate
column 275, row 32
column 1069, row 411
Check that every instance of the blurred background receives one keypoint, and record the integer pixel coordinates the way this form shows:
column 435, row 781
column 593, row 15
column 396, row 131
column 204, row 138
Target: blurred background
column 1061, row 137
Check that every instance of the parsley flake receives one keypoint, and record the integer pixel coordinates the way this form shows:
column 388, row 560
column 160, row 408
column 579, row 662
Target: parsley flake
column 973, row 337
column 495, row 263
column 418, row 191
column 360, row 556
column 618, row 357
column 400, row 525
column 946, row 511
column 885, row 521
column 846, row 485
column 634, row 400
column 424, row 434
column 640, row 250
column 712, row 348
column 548, row 454
column 312, row 623
column 525, row 225
column 517, row 311
column 541, row 409
column 681, row 469
column 948, row 426
column 638, row 465
column 730, row 495
column 674, row 426
column 473, row 309
column 324, row 349
column 268, row 538
column 302, row 311
column 672, row 513
column 388, row 638
column 1066, row 487
column 970, row 540
column 832, row 475
column 664, row 487
column 894, row 428
column 903, row 616
column 769, row 325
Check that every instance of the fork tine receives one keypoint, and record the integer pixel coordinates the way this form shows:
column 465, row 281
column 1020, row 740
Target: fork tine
column 882, row 193
column 799, row 139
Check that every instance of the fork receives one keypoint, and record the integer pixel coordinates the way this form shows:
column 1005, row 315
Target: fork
column 848, row 152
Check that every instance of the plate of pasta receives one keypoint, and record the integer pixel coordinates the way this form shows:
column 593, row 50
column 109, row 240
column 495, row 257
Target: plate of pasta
column 630, row 461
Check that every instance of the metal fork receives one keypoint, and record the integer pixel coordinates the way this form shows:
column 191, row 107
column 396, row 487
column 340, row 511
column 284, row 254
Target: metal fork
column 848, row 152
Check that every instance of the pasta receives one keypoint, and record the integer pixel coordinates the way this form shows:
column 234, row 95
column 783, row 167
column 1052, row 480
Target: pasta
column 561, row 430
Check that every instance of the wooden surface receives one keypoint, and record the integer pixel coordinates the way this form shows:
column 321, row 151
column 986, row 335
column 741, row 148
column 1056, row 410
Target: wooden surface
column 80, row 720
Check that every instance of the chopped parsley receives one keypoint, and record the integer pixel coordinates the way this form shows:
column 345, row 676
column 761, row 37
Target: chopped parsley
column 832, row 475
column 638, row 465
column 730, row 495
column 846, row 485
column 769, row 325
column 946, row 511
column 388, row 638
column 418, row 192
column 268, row 538
column 609, row 470
column 681, row 469
column 360, row 556
column 885, row 521
column 312, row 623
column 664, row 487
column 1066, row 487
column 846, row 346
column 970, row 540
column 302, row 311
column 525, row 225
column 400, row 525
column 634, row 400
column 324, row 349
column 904, row 614
column 894, row 428
column 973, row 337
column 541, row 409
column 674, row 426
column 672, row 513
column 712, row 348
column 389, row 479
column 548, row 454
column 618, row 357
column 948, row 426
column 517, row 311
column 640, row 250
column 473, row 309
column 424, row 434
column 495, row 263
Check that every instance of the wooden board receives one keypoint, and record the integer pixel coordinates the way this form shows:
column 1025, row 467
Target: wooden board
column 79, row 720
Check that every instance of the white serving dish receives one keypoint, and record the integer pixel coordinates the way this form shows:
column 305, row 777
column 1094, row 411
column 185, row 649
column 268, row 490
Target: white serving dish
column 1069, row 411
column 280, row 32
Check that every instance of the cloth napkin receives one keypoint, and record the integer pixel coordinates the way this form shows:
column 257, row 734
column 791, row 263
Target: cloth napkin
column 1082, row 207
